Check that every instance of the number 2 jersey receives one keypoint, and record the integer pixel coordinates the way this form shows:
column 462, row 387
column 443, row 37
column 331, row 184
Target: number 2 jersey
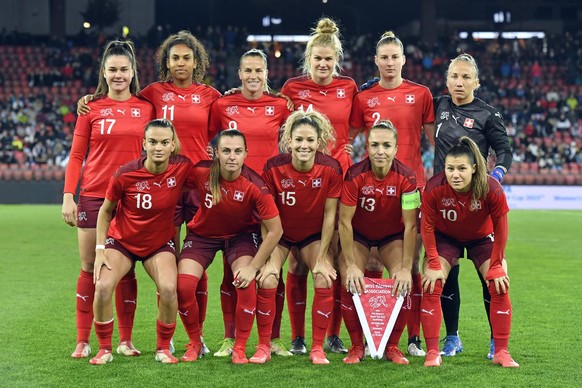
column 245, row 201
column 408, row 107
column 144, row 220
column 113, row 132
column 379, row 202
column 301, row 196
column 259, row 120
column 189, row 110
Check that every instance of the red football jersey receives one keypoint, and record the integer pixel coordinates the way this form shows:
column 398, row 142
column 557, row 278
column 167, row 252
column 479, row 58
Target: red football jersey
column 378, row 202
column 189, row 110
column 301, row 196
column 259, row 120
column 245, row 201
column 453, row 214
column 408, row 107
column 333, row 100
column 144, row 220
column 113, row 132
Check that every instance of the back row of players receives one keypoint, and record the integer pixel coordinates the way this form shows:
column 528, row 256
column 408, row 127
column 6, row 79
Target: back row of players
column 112, row 134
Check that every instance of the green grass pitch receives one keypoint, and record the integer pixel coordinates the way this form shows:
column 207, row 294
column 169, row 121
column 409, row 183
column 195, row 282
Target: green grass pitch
column 39, row 266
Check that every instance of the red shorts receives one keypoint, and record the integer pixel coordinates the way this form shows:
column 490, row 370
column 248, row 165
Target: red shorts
column 299, row 244
column 203, row 249
column 186, row 208
column 478, row 251
column 87, row 211
column 111, row 243
column 377, row 243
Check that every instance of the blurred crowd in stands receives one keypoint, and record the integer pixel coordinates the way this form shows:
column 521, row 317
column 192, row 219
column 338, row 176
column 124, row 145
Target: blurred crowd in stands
column 536, row 84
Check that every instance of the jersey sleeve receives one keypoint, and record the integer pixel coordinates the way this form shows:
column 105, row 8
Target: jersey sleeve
column 147, row 93
column 496, row 135
column 266, row 205
column 427, row 229
column 78, row 151
column 349, row 195
column 428, row 112
column 336, row 183
column 268, row 178
column 214, row 123
column 114, row 189
column 357, row 114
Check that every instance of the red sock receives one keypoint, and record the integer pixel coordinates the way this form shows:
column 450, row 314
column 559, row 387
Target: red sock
column 279, row 304
column 266, row 308
column 335, row 321
column 85, row 296
column 104, row 331
column 400, row 323
column 414, row 316
column 321, row 314
column 188, row 306
column 351, row 320
column 228, row 297
column 431, row 316
column 245, row 313
column 373, row 274
column 500, row 317
column 296, row 300
column 202, row 299
column 125, row 305
column 164, row 332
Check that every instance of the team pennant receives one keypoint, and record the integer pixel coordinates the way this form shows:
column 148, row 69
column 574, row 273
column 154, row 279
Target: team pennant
column 377, row 310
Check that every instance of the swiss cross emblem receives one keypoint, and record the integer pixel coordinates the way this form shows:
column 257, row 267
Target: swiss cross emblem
column 195, row 99
column 239, row 196
column 391, row 191
column 469, row 123
column 409, row 98
column 171, row 181
column 270, row 110
column 135, row 112
column 341, row 93
column 316, row 182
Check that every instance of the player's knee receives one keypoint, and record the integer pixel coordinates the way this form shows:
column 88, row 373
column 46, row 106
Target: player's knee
column 270, row 282
column 103, row 290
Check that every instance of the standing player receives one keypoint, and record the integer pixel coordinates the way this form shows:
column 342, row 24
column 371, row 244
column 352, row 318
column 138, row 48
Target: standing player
column 306, row 185
column 409, row 106
column 104, row 140
column 259, row 115
column 379, row 209
column 463, row 208
column 462, row 114
column 232, row 195
column 144, row 194
column 321, row 88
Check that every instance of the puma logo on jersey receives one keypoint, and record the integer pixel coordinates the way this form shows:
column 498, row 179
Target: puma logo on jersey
column 122, row 111
column 381, row 191
column 393, row 99
column 183, row 98
column 456, row 118
column 252, row 109
column 323, row 92
column 304, row 183
column 158, row 184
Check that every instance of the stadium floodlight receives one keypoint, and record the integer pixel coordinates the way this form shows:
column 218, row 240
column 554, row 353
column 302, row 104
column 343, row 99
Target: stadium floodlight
column 504, row 35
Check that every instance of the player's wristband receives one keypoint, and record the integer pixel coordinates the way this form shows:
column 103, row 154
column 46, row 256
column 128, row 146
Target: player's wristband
column 498, row 174
column 99, row 246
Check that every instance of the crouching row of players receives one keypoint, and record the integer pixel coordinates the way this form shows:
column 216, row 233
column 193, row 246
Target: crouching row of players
column 296, row 201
